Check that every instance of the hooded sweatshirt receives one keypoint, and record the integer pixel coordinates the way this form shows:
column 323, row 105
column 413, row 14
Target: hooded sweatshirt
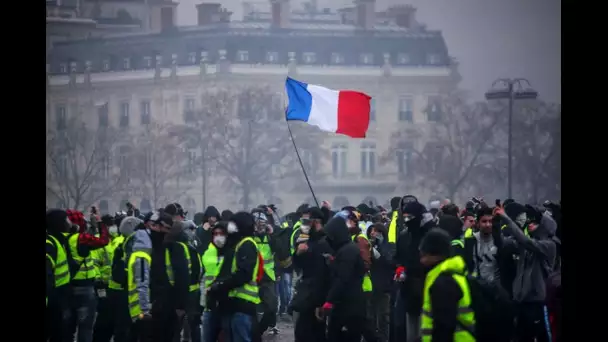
column 346, row 271
column 536, row 257
column 203, row 235
column 142, row 242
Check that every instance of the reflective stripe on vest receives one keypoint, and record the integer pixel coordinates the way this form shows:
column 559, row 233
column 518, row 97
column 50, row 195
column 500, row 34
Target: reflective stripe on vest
column 292, row 242
column 121, row 242
column 87, row 266
column 249, row 291
column 392, row 228
column 267, row 255
column 367, row 280
column 212, row 264
column 458, row 243
column 103, row 258
column 191, row 287
column 526, row 233
column 468, row 233
column 62, row 269
column 134, row 306
column 466, row 316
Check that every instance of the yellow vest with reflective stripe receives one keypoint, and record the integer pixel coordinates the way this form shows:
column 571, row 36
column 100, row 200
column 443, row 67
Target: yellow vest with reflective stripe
column 466, row 316
column 103, row 258
column 458, row 243
column 267, row 255
column 87, row 266
column 392, row 228
column 52, row 265
column 121, row 242
column 192, row 287
column 367, row 280
column 134, row 306
column 292, row 242
column 212, row 264
column 62, row 269
column 526, row 233
column 468, row 233
column 249, row 291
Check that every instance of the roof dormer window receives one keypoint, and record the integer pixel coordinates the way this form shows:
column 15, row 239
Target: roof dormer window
column 337, row 58
column 126, row 63
column 106, row 65
column 272, row 57
column 192, row 58
column 147, row 62
column 403, row 58
column 367, row 58
column 433, row 59
column 242, row 56
column 309, row 57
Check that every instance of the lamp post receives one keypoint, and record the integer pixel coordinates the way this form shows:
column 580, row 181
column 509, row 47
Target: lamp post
column 511, row 89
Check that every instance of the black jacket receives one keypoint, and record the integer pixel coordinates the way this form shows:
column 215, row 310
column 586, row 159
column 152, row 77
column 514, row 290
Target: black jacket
column 314, row 284
column 383, row 268
column 445, row 294
column 246, row 258
column 164, row 295
column 346, row 271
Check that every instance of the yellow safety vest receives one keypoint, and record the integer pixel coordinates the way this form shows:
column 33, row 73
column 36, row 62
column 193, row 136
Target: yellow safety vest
column 367, row 280
column 87, row 266
column 392, row 228
column 466, row 316
column 134, row 306
column 121, row 243
column 194, row 286
column 458, row 243
column 212, row 264
column 267, row 255
column 285, row 225
column 52, row 265
column 249, row 291
column 62, row 269
column 102, row 258
column 526, row 233
column 292, row 242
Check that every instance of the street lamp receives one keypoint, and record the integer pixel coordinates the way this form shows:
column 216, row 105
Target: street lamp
column 511, row 89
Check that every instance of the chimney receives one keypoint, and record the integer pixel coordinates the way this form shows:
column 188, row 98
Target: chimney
column 405, row 15
column 280, row 13
column 211, row 13
column 366, row 13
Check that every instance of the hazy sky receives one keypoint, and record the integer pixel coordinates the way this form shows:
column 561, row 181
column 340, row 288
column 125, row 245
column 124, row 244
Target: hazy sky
column 490, row 38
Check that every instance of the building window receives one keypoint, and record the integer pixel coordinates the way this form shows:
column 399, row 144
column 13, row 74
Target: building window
column 126, row 63
column 272, row 57
column 105, row 65
column 433, row 59
column 192, row 58
column 242, row 56
column 404, row 159
column 106, row 167
column 337, row 58
column 339, row 160
column 310, row 161
column 434, row 152
column 191, row 161
column 367, row 58
column 372, row 109
column 433, row 110
column 124, row 114
column 61, row 117
column 368, row 160
column 102, row 113
column 148, row 62
column 123, row 160
column 63, row 68
column 189, row 110
column 309, row 57
column 406, row 106
column 145, row 112
column 403, row 58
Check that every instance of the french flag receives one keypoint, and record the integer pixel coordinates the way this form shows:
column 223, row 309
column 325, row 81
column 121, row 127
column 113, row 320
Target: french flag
column 339, row 111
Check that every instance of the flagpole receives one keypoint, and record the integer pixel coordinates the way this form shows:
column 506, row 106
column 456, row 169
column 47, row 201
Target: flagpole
column 293, row 141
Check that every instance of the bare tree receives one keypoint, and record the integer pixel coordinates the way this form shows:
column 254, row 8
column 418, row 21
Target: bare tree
column 79, row 164
column 257, row 148
column 161, row 161
column 459, row 148
column 203, row 131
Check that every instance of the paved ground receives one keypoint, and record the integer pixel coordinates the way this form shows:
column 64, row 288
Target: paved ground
column 285, row 332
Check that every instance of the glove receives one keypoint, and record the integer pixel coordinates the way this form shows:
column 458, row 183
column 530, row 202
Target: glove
column 376, row 253
column 327, row 307
column 399, row 273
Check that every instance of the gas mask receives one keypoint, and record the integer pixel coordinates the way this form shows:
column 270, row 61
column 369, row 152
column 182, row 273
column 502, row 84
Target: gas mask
column 521, row 219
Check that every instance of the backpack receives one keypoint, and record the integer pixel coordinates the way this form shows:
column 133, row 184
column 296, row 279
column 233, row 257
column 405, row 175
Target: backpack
column 494, row 310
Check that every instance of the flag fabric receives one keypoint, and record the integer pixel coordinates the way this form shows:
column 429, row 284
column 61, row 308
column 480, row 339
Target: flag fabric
column 339, row 111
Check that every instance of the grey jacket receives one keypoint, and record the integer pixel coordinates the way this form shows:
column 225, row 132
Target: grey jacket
column 142, row 243
column 536, row 257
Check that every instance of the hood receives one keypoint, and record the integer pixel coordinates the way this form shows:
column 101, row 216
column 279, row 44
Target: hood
column 337, row 233
column 244, row 222
column 546, row 229
column 142, row 241
column 211, row 211
column 226, row 215
column 56, row 221
column 128, row 225
column 198, row 218
column 452, row 225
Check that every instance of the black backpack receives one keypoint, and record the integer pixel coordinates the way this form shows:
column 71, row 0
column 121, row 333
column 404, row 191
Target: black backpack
column 494, row 310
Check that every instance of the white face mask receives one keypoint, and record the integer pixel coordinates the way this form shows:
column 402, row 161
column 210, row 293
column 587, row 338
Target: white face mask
column 521, row 219
column 305, row 229
column 219, row 240
column 232, row 228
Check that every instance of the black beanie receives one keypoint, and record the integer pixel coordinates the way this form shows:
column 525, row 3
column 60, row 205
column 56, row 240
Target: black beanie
column 244, row 222
column 56, row 221
column 436, row 242
column 514, row 209
column 395, row 203
column 452, row 225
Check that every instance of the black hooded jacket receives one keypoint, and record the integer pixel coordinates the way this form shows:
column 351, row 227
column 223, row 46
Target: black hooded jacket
column 346, row 271
column 205, row 235
column 246, row 258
